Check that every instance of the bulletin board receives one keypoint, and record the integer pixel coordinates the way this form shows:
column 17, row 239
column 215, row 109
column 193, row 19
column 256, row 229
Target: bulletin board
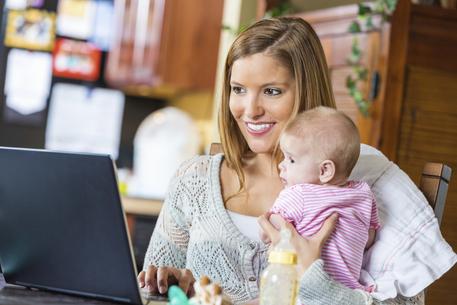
column 44, row 53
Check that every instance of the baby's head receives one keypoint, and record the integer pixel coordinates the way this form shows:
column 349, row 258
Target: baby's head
column 320, row 146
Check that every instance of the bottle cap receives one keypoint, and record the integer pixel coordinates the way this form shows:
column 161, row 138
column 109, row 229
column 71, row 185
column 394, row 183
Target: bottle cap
column 283, row 252
column 282, row 257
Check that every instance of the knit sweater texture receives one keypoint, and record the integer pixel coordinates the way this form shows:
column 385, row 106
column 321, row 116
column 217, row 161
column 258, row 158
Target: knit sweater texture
column 194, row 231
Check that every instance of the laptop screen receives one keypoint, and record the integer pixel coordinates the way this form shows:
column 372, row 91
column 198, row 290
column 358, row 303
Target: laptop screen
column 62, row 226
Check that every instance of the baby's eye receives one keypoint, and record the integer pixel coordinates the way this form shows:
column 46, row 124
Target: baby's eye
column 238, row 89
column 291, row 160
column 272, row 91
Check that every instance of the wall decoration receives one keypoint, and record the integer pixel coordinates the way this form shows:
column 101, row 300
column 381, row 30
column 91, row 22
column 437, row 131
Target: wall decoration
column 75, row 18
column 76, row 59
column 30, row 29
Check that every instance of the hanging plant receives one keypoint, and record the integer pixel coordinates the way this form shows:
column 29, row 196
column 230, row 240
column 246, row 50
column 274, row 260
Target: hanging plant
column 365, row 23
column 274, row 9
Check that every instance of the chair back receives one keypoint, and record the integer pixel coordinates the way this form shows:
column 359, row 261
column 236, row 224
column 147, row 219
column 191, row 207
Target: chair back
column 215, row 148
column 434, row 184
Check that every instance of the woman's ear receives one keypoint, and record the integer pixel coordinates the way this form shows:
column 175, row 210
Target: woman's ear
column 327, row 171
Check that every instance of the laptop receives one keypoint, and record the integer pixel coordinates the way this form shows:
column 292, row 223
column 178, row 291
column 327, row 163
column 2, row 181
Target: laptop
column 62, row 226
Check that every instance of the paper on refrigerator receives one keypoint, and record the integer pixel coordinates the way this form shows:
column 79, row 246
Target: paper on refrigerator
column 27, row 80
column 84, row 120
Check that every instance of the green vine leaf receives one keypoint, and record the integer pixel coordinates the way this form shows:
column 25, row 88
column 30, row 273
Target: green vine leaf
column 369, row 23
column 384, row 8
column 361, row 72
column 356, row 53
column 350, row 83
column 364, row 10
column 281, row 9
column 355, row 27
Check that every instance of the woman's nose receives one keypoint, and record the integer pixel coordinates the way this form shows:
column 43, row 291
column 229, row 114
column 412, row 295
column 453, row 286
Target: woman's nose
column 254, row 108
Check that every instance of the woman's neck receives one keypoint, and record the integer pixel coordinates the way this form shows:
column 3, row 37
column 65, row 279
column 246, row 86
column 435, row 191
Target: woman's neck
column 262, row 186
column 261, row 165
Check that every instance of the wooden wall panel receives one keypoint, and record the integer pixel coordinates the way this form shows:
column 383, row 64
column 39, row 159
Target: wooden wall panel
column 428, row 133
column 332, row 26
column 433, row 39
column 397, row 54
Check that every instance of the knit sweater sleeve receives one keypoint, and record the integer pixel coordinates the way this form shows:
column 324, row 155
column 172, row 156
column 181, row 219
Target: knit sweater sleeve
column 168, row 244
column 317, row 288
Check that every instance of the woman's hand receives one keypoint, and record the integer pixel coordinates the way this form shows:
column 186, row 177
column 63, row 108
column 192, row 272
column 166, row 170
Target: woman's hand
column 308, row 249
column 157, row 280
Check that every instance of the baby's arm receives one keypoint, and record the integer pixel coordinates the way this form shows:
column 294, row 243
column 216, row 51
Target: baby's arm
column 277, row 221
column 371, row 237
column 287, row 208
column 374, row 224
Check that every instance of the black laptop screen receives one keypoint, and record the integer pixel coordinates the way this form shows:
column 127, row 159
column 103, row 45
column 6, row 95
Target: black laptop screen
column 62, row 226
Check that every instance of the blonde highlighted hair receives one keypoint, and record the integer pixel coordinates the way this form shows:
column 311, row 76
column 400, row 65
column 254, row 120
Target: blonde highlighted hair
column 293, row 42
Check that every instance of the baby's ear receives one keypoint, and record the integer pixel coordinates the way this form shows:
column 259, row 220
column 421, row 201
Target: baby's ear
column 327, row 171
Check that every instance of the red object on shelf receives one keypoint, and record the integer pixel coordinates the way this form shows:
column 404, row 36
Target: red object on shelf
column 76, row 59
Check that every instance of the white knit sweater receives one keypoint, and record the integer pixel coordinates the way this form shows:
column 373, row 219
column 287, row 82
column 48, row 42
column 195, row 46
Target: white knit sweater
column 194, row 231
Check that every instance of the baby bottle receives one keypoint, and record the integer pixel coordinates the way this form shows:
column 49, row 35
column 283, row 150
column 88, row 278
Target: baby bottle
column 278, row 283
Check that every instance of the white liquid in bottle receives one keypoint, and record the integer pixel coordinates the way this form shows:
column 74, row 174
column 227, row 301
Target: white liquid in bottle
column 278, row 284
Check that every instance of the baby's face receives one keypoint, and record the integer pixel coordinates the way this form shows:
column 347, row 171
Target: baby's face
column 300, row 163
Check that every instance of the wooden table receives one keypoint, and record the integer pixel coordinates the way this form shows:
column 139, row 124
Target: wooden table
column 16, row 295
column 141, row 206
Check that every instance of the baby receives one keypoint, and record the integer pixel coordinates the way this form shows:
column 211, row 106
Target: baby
column 321, row 147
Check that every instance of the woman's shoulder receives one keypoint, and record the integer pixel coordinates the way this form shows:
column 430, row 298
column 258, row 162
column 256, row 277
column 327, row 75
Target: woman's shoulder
column 199, row 166
column 370, row 166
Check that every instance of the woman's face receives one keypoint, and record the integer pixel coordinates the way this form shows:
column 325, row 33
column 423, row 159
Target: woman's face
column 261, row 99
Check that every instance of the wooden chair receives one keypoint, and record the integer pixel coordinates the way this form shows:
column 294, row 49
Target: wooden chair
column 434, row 182
column 215, row 148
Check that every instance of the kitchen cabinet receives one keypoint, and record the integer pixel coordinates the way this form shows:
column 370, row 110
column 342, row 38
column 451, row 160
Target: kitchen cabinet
column 164, row 45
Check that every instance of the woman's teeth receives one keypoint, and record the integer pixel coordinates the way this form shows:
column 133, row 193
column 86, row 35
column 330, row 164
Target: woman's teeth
column 259, row 127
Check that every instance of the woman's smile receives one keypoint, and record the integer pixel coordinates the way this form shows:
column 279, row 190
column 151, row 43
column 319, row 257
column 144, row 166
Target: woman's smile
column 259, row 129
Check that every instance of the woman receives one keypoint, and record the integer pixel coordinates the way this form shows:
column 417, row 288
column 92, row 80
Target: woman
column 207, row 226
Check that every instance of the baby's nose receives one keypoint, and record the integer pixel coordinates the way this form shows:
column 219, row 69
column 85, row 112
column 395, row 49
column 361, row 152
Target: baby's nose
column 281, row 165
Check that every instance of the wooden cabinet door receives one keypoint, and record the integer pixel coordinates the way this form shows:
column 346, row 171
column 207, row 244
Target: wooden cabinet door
column 165, row 43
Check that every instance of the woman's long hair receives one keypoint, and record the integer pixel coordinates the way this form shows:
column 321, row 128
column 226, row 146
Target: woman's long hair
column 293, row 42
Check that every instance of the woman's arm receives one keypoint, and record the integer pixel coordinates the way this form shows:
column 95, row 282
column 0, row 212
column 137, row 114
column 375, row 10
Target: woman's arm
column 168, row 244
column 165, row 257
column 317, row 288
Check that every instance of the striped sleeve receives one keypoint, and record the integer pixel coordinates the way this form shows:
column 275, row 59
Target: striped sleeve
column 289, row 205
column 374, row 222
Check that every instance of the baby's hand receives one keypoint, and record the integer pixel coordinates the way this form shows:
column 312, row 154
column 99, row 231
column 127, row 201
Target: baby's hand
column 277, row 221
column 264, row 237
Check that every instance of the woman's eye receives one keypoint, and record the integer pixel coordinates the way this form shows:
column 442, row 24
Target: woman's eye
column 237, row 90
column 272, row 91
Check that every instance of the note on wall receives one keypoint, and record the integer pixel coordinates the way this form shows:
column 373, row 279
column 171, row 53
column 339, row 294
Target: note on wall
column 85, row 120
column 102, row 35
column 34, row 70
column 30, row 29
column 75, row 18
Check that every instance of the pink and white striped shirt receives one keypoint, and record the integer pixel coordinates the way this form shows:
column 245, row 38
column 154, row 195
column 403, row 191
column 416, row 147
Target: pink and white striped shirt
column 307, row 206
